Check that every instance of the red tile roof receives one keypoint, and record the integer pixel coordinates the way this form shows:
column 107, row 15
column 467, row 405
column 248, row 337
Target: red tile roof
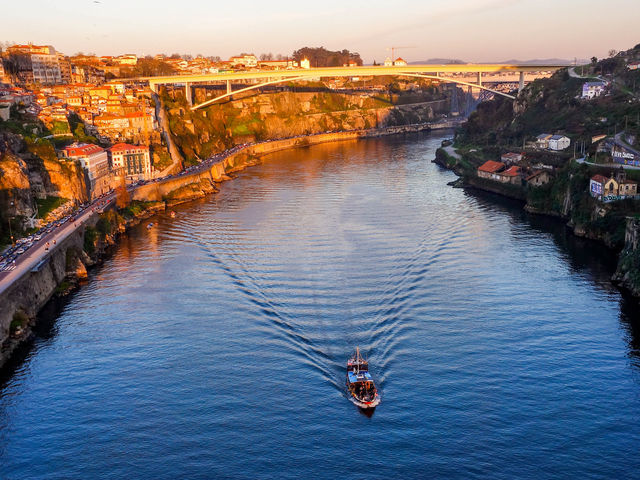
column 512, row 171
column 535, row 174
column 82, row 149
column 491, row 166
column 123, row 147
column 600, row 179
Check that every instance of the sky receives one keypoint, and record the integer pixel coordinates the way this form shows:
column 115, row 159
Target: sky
column 470, row 30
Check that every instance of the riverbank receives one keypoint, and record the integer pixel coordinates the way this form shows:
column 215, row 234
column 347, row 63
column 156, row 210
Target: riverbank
column 565, row 198
column 69, row 262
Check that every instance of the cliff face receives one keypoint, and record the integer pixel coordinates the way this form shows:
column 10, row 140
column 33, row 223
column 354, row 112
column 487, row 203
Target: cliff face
column 50, row 176
column 285, row 114
column 30, row 170
column 628, row 271
column 15, row 186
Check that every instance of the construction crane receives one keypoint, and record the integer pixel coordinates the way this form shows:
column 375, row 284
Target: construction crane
column 393, row 52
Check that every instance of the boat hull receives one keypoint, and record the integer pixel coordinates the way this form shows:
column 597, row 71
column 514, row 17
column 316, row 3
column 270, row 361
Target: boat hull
column 365, row 405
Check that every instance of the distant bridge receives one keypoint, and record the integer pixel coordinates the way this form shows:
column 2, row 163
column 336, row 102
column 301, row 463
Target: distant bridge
column 271, row 77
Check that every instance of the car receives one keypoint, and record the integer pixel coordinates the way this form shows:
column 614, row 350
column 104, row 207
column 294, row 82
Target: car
column 37, row 237
column 20, row 251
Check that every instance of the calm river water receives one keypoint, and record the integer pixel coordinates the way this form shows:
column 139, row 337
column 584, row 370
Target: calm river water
column 214, row 344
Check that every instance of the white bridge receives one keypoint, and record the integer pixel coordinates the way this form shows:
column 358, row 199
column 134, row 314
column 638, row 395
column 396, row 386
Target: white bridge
column 263, row 78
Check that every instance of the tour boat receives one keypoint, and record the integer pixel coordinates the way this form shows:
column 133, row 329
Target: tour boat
column 360, row 384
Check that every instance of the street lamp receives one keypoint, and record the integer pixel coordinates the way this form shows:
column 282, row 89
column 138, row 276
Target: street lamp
column 10, row 231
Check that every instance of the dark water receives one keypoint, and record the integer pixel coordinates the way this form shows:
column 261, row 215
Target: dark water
column 214, row 345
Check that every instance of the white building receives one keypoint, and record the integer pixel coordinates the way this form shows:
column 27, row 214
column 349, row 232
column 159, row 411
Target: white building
column 593, row 89
column 244, row 60
column 305, row 63
column 40, row 64
column 400, row 62
column 128, row 59
column 559, row 142
column 542, row 140
column 388, row 62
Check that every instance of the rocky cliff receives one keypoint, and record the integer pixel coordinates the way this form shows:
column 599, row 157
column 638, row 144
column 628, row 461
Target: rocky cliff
column 30, row 170
column 628, row 272
column 198, row 134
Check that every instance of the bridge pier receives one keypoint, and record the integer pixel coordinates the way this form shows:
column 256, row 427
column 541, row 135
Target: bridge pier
column 521, row 82
column 228, row 86
column 480, row 79
column 187, row 93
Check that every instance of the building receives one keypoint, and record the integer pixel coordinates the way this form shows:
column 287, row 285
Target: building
column 305, row 63
column 596, row 185
column 542, row 140
column 593, row 89
column 400, row 62
column 244, row 61
column 95, row 162
column 559, row 142
column 132, row 161
column 35, row 64
column 388, row 62
column 128, row 59
column 490, row 170
column 616, row 186
column 538, row 178
column 510, row 158
column 511, row 175
column 635, row 65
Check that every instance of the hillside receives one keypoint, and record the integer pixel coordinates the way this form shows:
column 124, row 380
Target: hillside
column 256, row 117
column 555, row 106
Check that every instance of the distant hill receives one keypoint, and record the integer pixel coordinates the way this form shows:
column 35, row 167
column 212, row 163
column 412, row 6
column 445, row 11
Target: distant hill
column 543, row 61
column 535, row 61
column 439, row 61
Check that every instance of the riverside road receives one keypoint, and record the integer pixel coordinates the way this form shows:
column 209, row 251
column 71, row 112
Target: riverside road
column 40, row 251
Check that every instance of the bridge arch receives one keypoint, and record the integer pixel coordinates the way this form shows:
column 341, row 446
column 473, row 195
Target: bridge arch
column 396, row 74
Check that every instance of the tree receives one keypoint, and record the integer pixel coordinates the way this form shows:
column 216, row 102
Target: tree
column 321, row 57
column 613, row 53
column 122, row 196
column 594, row 60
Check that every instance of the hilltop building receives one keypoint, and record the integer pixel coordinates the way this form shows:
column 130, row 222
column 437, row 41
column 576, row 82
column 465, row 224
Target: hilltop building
column 244, row 61
column 35, row 64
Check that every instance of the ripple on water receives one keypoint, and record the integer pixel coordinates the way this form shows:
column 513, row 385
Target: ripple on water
column 215, row 343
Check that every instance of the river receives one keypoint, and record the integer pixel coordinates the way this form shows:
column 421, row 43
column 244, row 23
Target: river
column 213, row 345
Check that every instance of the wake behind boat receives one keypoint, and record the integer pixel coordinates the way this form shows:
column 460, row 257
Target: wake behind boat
column 360, row 384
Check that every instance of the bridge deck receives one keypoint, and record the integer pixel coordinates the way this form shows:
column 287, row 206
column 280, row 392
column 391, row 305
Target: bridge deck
column 348, row 72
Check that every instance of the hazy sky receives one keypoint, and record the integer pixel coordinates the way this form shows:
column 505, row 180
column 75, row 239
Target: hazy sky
column 472, row 30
